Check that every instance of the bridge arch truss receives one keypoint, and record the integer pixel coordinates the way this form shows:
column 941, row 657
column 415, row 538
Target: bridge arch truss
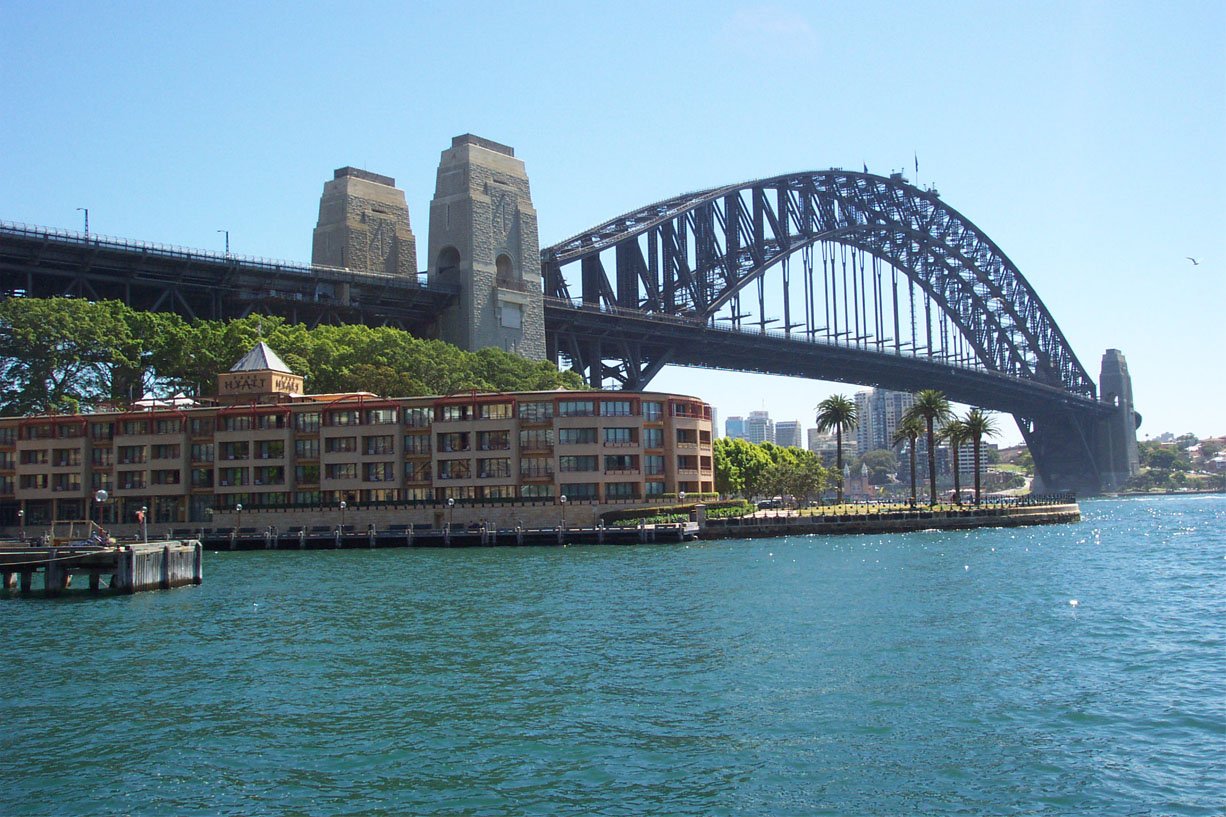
column 845, row 259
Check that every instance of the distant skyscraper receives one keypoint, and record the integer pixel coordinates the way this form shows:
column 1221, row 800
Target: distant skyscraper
column 734, row 428
column 760, row 428
column 878, row 412
column 788, row 433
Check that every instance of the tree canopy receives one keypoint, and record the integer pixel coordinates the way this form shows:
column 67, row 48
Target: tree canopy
column 68, row 355
column 766, row 469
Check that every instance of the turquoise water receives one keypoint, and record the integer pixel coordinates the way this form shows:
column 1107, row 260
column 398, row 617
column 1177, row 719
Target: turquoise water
column 928, row 673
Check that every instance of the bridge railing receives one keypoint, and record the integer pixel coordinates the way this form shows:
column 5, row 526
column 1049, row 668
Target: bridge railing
column 225, row 259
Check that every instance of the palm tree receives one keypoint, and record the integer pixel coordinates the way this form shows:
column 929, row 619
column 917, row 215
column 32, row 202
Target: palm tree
column 839, row 413
column 931, row 406
column 954, row 433
column 909, row 431
column 978, row 424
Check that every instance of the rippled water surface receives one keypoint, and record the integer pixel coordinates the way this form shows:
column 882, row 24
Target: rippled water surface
column 932, row 673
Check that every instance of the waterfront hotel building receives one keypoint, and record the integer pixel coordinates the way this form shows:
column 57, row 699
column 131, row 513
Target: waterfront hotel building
column 264, row 445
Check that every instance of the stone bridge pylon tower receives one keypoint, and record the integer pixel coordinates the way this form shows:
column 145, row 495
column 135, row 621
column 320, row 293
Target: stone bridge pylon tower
column 483, row 240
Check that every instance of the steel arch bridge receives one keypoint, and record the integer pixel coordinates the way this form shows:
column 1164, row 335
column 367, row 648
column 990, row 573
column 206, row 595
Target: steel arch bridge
column 894, row 288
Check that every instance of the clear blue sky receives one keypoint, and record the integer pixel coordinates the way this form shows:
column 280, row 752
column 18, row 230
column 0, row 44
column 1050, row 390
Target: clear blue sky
column 1088, row 139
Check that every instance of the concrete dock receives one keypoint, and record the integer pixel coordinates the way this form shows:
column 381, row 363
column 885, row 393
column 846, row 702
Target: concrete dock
column 127, row 568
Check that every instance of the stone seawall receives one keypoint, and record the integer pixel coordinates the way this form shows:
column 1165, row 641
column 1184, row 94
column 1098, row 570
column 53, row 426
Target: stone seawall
column 896, row 522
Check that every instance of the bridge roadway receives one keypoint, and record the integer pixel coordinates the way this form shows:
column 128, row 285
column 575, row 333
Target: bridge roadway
column 42, row 262
column 693, row 342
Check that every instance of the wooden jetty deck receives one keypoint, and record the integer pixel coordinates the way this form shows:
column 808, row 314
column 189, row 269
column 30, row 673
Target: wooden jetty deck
column 125, row 568
column 324, row 537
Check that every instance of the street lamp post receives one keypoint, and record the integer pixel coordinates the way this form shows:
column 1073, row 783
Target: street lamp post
column 227, row 232
column 450, row 514
column 100, row 497
column 562, row 499
column 21, row 521
column 86, row 211
column 144, row 523
column 343, row 507
column 238, row 509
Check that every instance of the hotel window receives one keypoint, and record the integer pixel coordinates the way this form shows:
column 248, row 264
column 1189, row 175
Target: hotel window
column 494, row 411
column 497, row 491
column 236, row 422
column 202, row 452
column 418, row 471
column 494, row 468
column 308, row 497
column 8, row 435
column 417, row 444
column 202, row 477
column 201, row 426
column 380, row 416
column 454, row 469
column 37, row 482
column 8, row 461
column 235, row 451
column 687, row 462
column 306, row 474
column 494, row 440
column 384, row 444
column 653, row 464
column 231, row 476
column 536, row 439
column 165, row 452
column 586, row 463
column 576, row 436
column 419, row 417
column 536, row 491
column 653, row 410
column 270, row 421
column 348, row 417
column 536, row 467
column 621, row 490
column 653, row 438
column 453, row 413
column 37, row 457
column 416, row 494
column 615, row 408
column 270, row 475
column 135, row 427
column 654, row 488
column 334, row 445
column 621, row 462
column 171, row 426
column 576, row 408
column 131, row 454
column 66, row 457
column 580, row 490
column 66, row 482
column 620, row 436
column 535, row 412
column 100, row 480
column 270, row 449
column 166, row 477
column 129, row 480
column 342, row 470
column 70, row 431
column 307, row 421
column 457, row 441
column 307, row 449
column 380, row 472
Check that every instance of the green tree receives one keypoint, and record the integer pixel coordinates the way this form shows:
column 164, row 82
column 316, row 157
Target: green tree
column 909, row 431
column 838, row 413
column 979, row 425
column 953, row 431
column 931, row 406
column 740, row 466
column 882, row 465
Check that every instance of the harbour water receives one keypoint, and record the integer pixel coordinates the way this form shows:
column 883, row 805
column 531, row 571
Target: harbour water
column 1068, row 669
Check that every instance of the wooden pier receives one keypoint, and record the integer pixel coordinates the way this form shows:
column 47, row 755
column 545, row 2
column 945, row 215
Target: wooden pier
column 126, row 568
column 327, row 538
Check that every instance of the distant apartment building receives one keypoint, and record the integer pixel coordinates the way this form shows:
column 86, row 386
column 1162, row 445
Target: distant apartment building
column 825, row 445
column 878, row 413
column 734, row 428
column 759, row 427
column 788, row 433
column 263, row 444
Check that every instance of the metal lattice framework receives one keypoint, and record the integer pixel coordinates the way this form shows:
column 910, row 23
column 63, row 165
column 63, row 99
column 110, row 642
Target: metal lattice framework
column 695, row 255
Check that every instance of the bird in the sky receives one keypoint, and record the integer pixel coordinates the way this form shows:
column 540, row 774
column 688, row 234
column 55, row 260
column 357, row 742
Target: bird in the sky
column 1195, row 263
